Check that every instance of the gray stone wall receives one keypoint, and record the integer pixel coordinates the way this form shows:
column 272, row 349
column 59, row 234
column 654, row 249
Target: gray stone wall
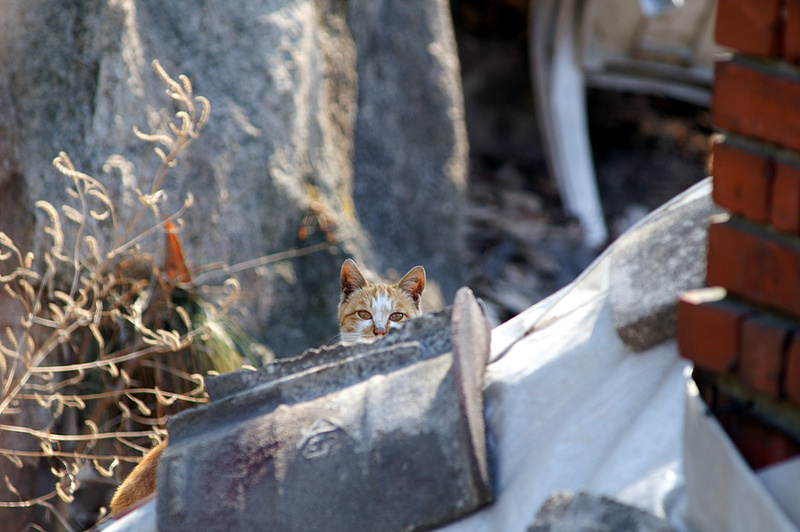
column 354, row 107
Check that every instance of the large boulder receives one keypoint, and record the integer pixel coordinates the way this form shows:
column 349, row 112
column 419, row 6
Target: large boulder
column 409, row 162
column 348, row 111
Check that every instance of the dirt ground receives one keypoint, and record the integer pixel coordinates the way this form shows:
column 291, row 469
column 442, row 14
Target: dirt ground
column 522, row 245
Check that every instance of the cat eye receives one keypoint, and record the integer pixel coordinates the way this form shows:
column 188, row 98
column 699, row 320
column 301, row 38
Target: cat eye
column 364, row 315
column 396, row 316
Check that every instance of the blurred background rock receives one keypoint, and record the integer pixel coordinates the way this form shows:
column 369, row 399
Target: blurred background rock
column 331, row 121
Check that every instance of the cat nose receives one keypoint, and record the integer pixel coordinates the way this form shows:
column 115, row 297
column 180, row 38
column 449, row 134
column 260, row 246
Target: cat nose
column 379, row 332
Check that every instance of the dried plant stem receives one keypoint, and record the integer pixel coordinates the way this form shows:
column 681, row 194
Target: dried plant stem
column 68, row 454
column 85, row 352
column 211, row 269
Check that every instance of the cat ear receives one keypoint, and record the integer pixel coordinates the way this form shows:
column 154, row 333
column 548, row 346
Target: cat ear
column 413, row 283
column 352, row 279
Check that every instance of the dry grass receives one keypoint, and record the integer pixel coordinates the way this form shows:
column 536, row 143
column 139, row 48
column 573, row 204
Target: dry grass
column 110, row 339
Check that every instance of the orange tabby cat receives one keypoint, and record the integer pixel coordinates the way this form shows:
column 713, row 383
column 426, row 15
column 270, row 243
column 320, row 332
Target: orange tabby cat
column 369, row 310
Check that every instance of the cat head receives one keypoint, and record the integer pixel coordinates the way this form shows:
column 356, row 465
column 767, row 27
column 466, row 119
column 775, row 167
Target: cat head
column 369, row 310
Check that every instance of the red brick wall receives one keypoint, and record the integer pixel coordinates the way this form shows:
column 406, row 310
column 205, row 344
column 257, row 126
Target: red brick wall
column 744, row 330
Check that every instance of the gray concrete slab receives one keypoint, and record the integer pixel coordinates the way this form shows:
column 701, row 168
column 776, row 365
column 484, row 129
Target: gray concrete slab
column 381, row 436
column 653, row 265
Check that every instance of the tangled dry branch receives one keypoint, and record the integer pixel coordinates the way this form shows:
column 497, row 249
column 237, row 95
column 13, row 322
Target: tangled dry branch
column 107, row 342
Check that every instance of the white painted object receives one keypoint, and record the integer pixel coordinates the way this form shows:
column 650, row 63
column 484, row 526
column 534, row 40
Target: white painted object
column 626, row 45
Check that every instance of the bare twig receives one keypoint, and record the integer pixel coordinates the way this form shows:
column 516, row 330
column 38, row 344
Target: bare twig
column 114, row 347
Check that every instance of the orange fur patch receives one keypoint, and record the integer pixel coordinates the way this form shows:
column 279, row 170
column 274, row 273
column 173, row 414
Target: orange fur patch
column 369, row 310
column 140, row 483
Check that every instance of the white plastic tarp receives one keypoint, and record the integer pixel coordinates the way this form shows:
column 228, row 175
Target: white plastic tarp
column 569, row 407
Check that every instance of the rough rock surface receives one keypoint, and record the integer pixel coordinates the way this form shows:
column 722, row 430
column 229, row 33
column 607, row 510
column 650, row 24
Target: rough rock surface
column 398, row 139
column 585, row 512
column 291, row 133
column 651, row 267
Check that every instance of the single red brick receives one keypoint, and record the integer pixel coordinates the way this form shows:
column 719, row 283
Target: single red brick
column 761, row 362
column 785, row 211
column 791, row 31
column 742, row 181
column 756, row 264
column 758, row 101
column 709, row 328
column 752, row 26
column 759, row 445
column 791, row 380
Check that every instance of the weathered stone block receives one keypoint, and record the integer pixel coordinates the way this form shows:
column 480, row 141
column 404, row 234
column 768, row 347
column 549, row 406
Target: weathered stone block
column 382, row 436
column 568, row 512
column 653, row 265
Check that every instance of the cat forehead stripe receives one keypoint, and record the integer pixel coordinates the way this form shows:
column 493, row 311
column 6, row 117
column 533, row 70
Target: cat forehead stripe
column 383, row 304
